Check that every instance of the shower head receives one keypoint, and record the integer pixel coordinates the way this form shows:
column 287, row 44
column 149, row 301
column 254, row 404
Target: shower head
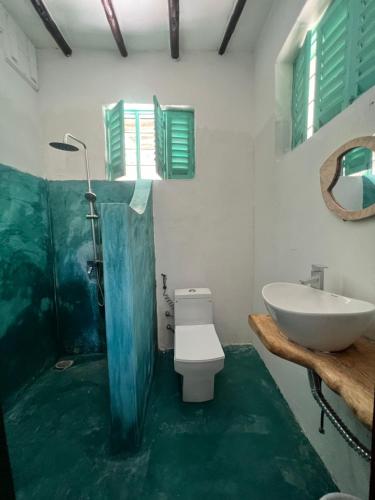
column 67, row 146
column 63, row 146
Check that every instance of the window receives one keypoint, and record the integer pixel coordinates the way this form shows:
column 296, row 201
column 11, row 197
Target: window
column 139, row 144
column 358, row 162
column 130, row 135
column 149, row 142
column 300, row 94
column 175, row 141
column 334, row 66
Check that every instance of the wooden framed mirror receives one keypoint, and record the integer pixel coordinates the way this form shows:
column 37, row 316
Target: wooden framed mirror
column 347, row 179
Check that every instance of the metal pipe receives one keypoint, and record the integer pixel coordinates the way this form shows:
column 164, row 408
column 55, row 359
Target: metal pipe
column 87, row 170
column 93, row 234
column 316, row 390
column 66, row 137
column 92, row 215
column 89, row 195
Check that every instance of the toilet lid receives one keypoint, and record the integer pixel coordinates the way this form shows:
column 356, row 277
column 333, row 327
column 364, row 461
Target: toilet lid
column 197, row 343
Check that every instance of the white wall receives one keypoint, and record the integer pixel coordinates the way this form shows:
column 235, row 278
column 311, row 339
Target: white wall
column 293, row 229
column 203, row 235
column 348, row 192
column 20, row 145
column 206, row 231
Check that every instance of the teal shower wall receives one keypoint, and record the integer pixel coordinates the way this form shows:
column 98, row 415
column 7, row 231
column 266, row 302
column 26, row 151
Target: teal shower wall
column 80, row 320
column 48, row 305
column 129, row 265
column 28, row 336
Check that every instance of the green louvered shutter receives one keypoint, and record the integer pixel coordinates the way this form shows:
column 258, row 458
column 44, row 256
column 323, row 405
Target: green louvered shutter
column 180, row 143
column 115, row 141
column 368, row 190
column 365, row 46
column 160, row 139
column 300, row 91
column 357, row 160
column 333, row 79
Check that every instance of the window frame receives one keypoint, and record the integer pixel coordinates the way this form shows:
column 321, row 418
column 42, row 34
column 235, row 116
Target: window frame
column 138, row 115
column 174, row 139
column 355, row 37
column 166, row 144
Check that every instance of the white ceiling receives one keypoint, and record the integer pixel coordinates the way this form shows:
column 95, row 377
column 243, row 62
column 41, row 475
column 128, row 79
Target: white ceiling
column 144, row 23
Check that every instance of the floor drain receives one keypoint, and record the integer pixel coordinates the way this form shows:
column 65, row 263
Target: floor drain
column 64, row 364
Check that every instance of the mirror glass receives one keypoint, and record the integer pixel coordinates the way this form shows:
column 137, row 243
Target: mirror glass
column 355, row 185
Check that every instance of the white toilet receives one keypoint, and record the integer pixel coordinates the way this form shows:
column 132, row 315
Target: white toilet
column 198, row 354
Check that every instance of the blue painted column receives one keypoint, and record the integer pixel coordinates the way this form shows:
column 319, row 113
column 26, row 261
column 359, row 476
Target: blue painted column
column 129, row 283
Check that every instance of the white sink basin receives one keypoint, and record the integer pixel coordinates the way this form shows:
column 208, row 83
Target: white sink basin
column 317, row 319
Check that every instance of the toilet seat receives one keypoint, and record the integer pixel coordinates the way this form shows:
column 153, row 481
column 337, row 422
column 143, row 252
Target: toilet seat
column 198, row 355
column 197, row 344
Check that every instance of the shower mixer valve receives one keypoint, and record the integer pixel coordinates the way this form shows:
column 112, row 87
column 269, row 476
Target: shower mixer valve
column 90, row 196
column 92, row 268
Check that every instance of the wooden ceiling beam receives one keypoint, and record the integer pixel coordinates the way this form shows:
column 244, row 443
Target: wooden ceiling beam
column 115, row 27
column 51, row 26
column 174, row 27
column 232, row 25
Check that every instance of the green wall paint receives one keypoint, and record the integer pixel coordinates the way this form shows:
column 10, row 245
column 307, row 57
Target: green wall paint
column 368, row 190
column 80, row 320
column 129, row 264
column 49, row 304
column 245, row 444
column 28, row 337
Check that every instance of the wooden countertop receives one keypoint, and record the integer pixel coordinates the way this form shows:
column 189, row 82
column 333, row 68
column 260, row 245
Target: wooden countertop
column 350, row 373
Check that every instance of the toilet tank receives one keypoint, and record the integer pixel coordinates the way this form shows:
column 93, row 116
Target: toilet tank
column 193, row 306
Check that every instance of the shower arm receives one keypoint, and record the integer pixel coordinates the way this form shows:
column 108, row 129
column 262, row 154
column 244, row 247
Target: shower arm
column 73, row 138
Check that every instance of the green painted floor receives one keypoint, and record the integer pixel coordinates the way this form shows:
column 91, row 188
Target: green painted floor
column 245, row 444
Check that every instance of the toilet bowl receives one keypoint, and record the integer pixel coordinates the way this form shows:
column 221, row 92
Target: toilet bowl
column 198, row 354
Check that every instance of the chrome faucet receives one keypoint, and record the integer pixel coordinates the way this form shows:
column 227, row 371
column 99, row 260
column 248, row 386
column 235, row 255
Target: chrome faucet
column 317, row 277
